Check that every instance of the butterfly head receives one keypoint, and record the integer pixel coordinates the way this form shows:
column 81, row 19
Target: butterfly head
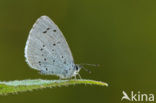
column 77, row 69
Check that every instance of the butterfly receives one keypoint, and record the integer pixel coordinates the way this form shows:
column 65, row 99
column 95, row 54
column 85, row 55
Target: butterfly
column 47, row 50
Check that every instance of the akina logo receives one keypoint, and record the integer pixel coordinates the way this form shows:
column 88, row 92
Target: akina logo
column 137, row 96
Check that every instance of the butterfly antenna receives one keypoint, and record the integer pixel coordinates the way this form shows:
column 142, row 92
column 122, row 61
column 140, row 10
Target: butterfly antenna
column 87, row 70
column 95, row 65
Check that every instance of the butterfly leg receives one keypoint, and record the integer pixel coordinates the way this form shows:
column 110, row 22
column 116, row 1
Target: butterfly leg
column 79, row 76
column 75, row 77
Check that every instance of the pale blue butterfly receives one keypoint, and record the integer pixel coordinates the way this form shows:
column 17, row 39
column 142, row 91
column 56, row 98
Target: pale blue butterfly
column 46, row 50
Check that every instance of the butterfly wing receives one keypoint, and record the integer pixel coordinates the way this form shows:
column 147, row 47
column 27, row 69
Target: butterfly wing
column 47, row 50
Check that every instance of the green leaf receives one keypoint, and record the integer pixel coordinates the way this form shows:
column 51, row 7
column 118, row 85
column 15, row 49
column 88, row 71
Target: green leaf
column 29, row 85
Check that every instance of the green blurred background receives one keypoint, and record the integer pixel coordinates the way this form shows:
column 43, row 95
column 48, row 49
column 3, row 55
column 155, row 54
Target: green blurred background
column 118, row 34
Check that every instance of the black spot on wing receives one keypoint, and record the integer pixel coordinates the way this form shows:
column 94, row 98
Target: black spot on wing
column 39, row 63
column 54, row 44
column 54, row 30
column 46, row 30
column 41, row 49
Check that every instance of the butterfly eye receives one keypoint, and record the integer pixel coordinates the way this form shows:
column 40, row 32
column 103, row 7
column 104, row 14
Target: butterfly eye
column 76, row 67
